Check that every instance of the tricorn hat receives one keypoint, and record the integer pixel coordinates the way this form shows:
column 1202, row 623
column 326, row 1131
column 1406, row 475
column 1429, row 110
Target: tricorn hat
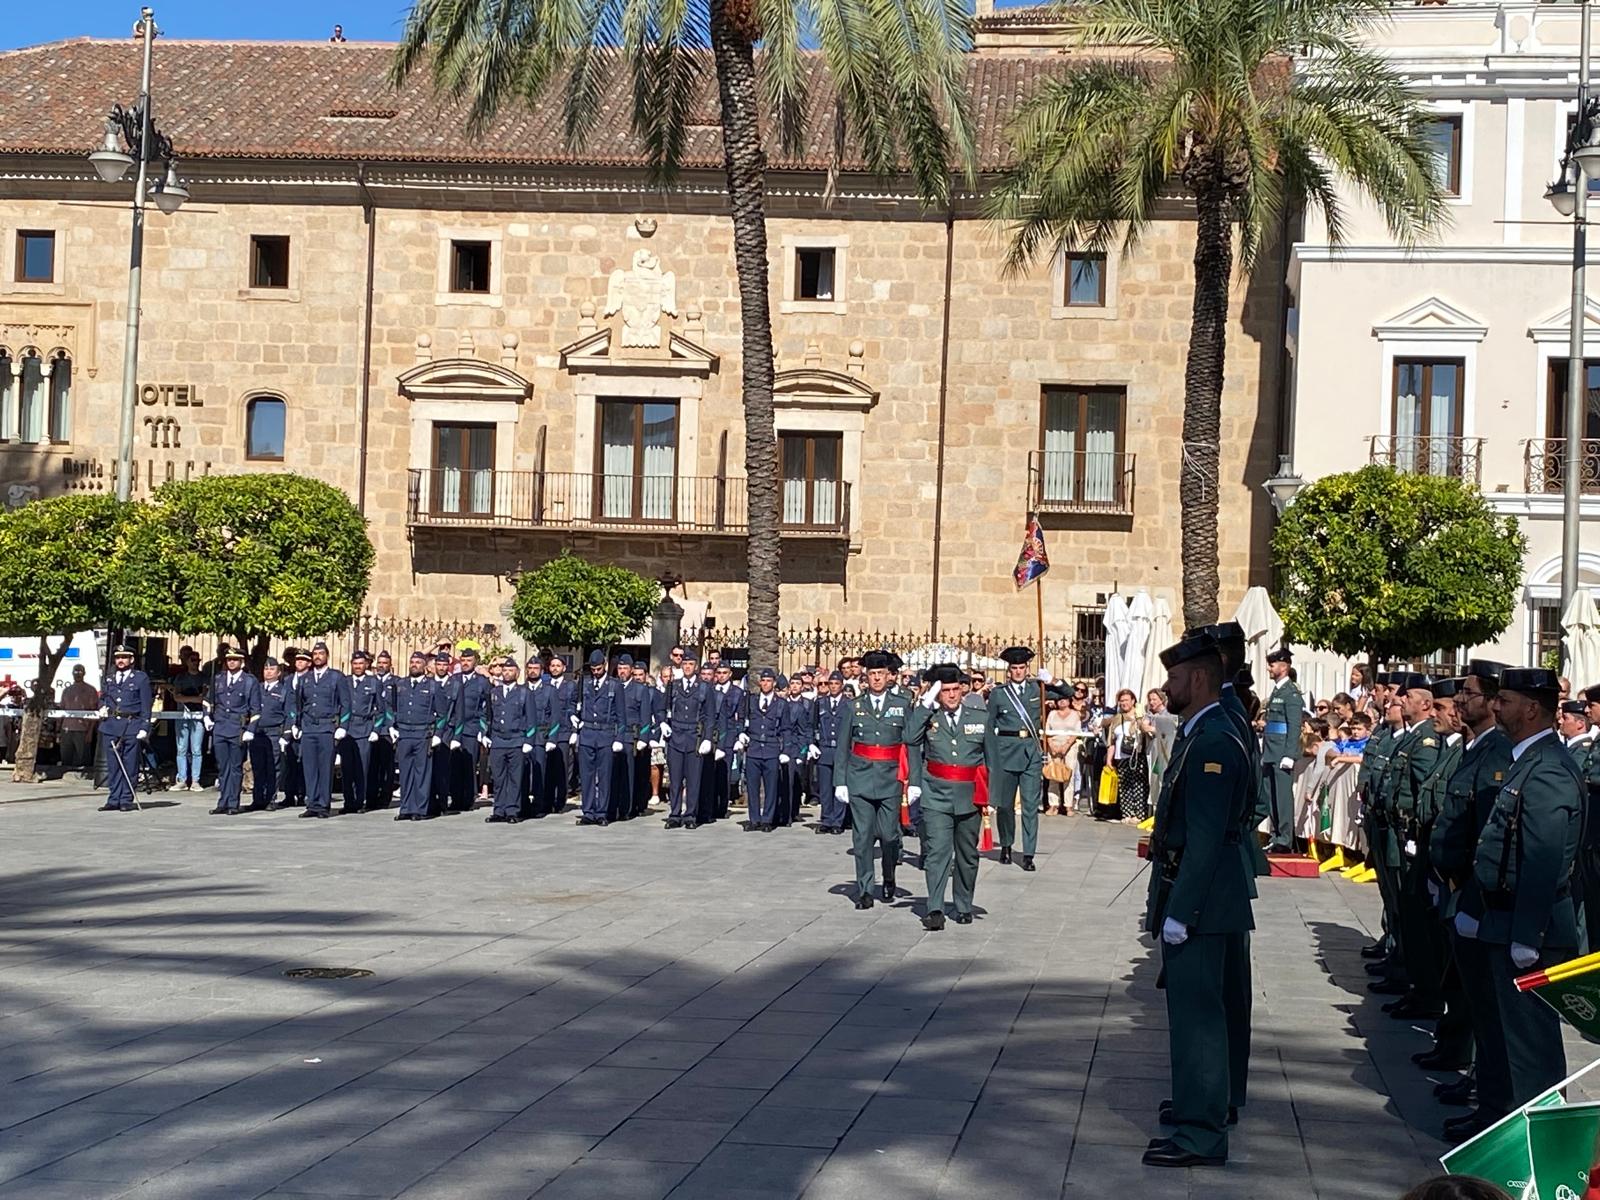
column 1016, row 656
column 1188, row 649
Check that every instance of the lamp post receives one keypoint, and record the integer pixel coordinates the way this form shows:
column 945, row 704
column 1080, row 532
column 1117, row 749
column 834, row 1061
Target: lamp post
column 132, row 140
column 1569, row 195
column 1284, row 486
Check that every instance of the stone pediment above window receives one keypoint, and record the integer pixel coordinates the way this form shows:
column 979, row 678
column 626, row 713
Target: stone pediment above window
column 814, row 387
column 1557, row 326
column 464, row 379
column 1431, row 320
column 599, row 351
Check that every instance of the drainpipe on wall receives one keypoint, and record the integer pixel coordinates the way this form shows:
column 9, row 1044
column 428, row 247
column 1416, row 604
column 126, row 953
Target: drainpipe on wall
column 944, row 391
column 363, row 403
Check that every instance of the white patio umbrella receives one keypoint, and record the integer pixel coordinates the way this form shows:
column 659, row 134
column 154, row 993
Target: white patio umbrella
column 1117, row 627
column 1263, row 631
column 1136, row 651
column 1160, row 631
column 926, row 655
column 1581, row 624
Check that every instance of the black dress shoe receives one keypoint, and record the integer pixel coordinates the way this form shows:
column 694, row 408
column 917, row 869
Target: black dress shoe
column 1377, row 969
column 1433, row 1060
column 1462, row 1129
column 108, row 808
column 1005, row 854
column 403, row 817
column 1164, row 1114
column 1167, row 1155
column 1376, row 950
column 1027, row 863
column 933, row 922
column 863, row 901
column 691, row 825
column 513, row 820
column 1386, row 987
column 308, row 815
column 1457, row 1093
column 218, row 811
column 1408, row 1009
column 888, row 891
column 674, row 823
column 963, row 918
column 495, row 819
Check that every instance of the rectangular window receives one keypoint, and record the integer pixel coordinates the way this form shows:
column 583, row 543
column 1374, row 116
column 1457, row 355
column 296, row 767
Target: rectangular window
column 463, row 469
column 812, row 489
column 269, row 261
column 638, row 460
column 36, row 256
column 469, row 266
column 1089, row 642
column 1555, row 445
column 1082, row 454
column 1084, row 281
column 1444, row 139
column 813, row 274
column 1428, row 416
column 1545, row 634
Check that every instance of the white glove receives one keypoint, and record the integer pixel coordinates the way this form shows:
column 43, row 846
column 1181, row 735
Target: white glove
column 639, row 744
column 549, row 746
column 842, row 794
column 142, row 736
column 1045, row 676
column 913, row 794
column 527, row 747
column 812, row 753
column 294, row 732
column 616, row 747
column 339, row 735
column 784, row 759
column 247, row 737
column 666, row 730
column 930, row 698
column 573, row 740
column 435, row 741
column 455, row 743
column 657, row 745
column 394, row 735
column 719, row 755
column 1174, row 933
column 483, row 739
column 742, row 742
column 1523, row 957
column 1286, row 764
column 704, row 747
column 103, row 712
column 373, row 736
column 1466, row 925
column 1410, row 848
column 576, row 724
column 208, row 723
column 283, row 745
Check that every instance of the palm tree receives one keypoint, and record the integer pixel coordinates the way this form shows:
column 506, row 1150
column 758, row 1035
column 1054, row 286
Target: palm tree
column 1244, row 107
column 895, row 86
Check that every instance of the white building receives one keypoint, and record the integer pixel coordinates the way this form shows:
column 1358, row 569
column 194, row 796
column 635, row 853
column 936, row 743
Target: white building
column 1451, row 357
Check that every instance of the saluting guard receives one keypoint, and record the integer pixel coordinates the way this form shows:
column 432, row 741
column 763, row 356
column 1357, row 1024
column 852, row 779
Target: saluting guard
column 947, row 742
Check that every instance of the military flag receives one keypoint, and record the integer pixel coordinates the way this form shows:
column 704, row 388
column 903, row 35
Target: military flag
column 1545, row 1150
column 1571, row 988
column 1033, row 561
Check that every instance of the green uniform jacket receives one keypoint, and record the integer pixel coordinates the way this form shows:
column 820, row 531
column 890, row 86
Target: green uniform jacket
column 930, row 738
column 1198, row 877
column 1013, row 739
column 1416, row 754
column 1469, row 797
column 1254, row 856
column 859, row 725
column 1374, row 762
column 1284, row 714
column 1431, row 798
column 1523, row 863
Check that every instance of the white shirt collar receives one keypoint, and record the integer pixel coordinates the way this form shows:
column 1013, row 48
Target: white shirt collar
column 1188, row 726
column 1516, row 751
column 1452, row 739
column 1478, row 737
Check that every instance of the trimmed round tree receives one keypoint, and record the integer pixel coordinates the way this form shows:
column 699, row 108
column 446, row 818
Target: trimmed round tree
column 1389, row 566
column 573, row 602
column 250, row 556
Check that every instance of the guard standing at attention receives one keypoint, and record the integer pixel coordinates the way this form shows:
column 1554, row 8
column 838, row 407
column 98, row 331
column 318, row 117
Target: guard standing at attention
column 267, row 760
column 322, row 713
column 468, row 723
column 1016, row 754
column 380, row 768
column 600, row 732
column 798, row 749
column 367, row 718
column 687, row 727
column 449, row 683
column 717, row 780
column 533, row 762
column 421, row 709
column 231, row 716
column 831, row 708
column 947, row 743
column 1284, row 713
column 652, row 706
column 561, row 734
column 758, row 740
column 866, row 774
column 294, row 768
column 124, row 727
column 509, row 739
column 1199, row 898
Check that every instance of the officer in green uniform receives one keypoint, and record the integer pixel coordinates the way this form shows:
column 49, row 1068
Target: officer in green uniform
column 1283, row 713
column 866, row 773
column 1469, row 798
column 1374, row 761
column 1416, row 751
column 1199, row 898
column 1384, row 844
column 1015, row 754
column 946, row 742
column 1522, row 909
column 1587, row 756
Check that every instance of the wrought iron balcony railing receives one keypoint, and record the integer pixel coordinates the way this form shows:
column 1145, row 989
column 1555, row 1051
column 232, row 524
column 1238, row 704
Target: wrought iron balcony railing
column 1545, row 464
column 713, row 505
column 1425, row 454
column 1081, row 481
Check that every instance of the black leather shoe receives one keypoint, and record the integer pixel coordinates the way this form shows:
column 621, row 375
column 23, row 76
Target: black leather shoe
column 1432, row 1060
column 1465, row 1128
column 674, row 823
column 1457, row 1093
column 1164, row 1114
column 820, row 829
column 107, row 808
column 888, row 891
column 933, row 922
column 308, row 815
column 219, row 811
column 1376, row 950
column 1416, row 1010
column 863, row 901
column 1377, row 969
column 963, row 918
column 691, row 825
column 513, row 820
column 1027, row 863
column 1386, row 987
column 496, row 819
column 403, row 817
column 1167, row 1155
column 1005, row 854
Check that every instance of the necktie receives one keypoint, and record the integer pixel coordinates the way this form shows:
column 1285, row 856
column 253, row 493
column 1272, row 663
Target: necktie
column 950, row 720
column 763, row 704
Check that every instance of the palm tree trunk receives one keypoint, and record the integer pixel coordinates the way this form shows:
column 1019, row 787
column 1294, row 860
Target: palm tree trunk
column 1199, row 476
column 746, row 163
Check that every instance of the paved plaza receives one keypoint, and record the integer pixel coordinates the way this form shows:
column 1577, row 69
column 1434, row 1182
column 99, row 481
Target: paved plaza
column 633, row 1012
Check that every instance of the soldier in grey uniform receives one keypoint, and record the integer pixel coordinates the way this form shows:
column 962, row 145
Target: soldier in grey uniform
column 1284, row 711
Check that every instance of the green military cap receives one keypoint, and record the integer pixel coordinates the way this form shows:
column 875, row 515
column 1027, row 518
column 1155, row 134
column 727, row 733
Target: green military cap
column 1445, row 689
column 1538, row 682
column 1282, row 654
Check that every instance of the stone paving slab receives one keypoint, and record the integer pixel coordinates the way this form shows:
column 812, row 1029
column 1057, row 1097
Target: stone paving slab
column 636, row 1013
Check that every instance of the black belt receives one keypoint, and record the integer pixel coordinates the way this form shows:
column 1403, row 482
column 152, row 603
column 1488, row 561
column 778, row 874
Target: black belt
column 1506, row 901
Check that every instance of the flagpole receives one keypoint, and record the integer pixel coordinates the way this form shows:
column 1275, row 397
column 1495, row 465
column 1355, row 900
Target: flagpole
column 1038, row 599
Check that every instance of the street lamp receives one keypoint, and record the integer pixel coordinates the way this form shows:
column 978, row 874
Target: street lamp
column 132, row 140
column 1569, row 195
column 1284, row 486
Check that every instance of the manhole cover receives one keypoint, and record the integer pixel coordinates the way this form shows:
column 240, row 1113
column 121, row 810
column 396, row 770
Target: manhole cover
column 327, row 973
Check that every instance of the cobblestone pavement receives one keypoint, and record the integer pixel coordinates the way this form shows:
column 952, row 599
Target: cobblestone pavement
column 633, row 1012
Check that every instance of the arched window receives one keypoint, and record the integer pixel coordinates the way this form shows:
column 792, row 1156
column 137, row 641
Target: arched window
column 264, row 418
column 61, row 398
column 8, row 397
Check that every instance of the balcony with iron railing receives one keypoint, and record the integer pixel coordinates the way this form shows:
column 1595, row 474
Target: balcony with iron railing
column 1086, row 482
column 1427, row 454
column 1545, row 465
column 560, row 500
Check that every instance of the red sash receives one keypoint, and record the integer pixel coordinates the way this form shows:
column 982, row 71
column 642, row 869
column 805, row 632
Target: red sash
column 952, row 773
column 876, row 753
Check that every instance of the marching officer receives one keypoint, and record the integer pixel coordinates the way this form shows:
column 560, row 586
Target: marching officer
column 687, row 728
column 322, row 714
column 380, row 768
column 831, row 710
column 600, row 731
column 1199, row 899
column 797, row 735
column 439, row 777
column 759, row 742
column 367, row 718
column 947, row 743
column 421, row 707
column 1284, row 712
column 534, row 761
column 1016, row 754
column 124, row 727
column 468, row 722
column 1521, row 908
column 231, row 716
column 561, row 736
column 268, row 761
column 509, row 739
column 866, row 774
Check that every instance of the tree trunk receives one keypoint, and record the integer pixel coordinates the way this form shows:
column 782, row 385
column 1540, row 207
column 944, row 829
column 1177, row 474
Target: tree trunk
column 1199, row 476
column 33, row 716
column 746, row 163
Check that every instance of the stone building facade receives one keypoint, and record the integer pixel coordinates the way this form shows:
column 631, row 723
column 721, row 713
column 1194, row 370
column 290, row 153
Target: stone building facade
column 547, row 351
